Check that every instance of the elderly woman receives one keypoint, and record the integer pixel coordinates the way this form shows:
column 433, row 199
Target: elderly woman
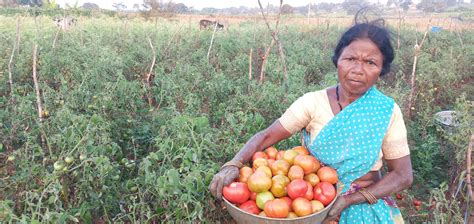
column 350, row 127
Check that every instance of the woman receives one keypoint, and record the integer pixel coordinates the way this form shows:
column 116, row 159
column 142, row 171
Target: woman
column 350, row 127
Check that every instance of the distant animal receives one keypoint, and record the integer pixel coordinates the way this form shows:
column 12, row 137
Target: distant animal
column 208, row 24
column 65, row 22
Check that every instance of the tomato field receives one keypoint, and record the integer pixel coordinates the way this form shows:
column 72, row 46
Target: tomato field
column 137, row 116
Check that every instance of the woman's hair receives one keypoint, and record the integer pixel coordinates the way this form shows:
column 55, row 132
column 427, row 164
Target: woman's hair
column 373, row 30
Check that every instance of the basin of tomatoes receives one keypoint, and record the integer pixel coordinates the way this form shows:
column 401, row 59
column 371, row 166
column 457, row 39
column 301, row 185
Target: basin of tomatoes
column 285, row 184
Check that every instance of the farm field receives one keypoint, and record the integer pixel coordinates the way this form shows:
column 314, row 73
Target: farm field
column 137, row 116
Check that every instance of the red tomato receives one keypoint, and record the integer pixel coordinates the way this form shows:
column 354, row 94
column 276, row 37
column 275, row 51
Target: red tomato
column 236, row 192
column 297, row 188
column 309, row 193
column 324, row 192
column 271, row 152
column 259, row 155
column 250, row 207
column 288, row 201
column 327, row 174
column 416, row 202
column 253, row 196
column 277, row 208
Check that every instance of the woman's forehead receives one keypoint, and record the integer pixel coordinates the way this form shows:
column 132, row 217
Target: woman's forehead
column 365, row 46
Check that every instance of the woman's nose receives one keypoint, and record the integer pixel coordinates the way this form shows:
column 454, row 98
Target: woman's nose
column 357, row 67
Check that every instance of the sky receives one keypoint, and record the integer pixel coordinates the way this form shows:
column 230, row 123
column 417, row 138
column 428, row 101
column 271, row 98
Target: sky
column 199, row 4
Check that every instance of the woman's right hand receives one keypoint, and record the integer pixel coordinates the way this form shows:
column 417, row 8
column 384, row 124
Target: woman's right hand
column 226, row 176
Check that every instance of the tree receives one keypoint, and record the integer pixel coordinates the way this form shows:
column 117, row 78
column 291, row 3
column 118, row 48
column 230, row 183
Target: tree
column 119, row 6
column 353, row 6
column 406, row 5
column 90, row 6
column 287, row 9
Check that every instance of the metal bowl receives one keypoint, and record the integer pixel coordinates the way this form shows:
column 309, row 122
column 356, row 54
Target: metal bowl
column 241, row 216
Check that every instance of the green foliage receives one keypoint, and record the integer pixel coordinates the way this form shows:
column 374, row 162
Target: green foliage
column 135, row 162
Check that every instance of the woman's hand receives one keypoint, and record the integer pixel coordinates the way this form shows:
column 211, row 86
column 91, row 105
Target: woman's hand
column 336, row 210
column 221, row 179
column 258, row 142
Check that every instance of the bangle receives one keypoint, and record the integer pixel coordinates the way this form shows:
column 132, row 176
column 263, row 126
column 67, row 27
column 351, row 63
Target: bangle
column 232, row 163
column 368, row 195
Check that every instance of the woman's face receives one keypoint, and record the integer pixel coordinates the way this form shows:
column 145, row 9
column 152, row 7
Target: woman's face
column 359, row 66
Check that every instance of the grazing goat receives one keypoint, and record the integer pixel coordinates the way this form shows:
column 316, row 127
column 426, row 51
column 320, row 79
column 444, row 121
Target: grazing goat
column 65, row 22
column 208, row 24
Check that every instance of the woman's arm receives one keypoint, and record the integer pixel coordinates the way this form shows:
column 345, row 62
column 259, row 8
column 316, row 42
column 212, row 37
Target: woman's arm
column 260, row 141
column 399, row 177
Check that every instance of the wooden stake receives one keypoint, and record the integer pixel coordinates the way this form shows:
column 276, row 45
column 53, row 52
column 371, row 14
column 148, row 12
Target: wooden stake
column 150, row 76
column 274, row 34
column 250, row 63
column 15, row 47
column 413, row 73
column 212, row 40
column 468, row 178
column 37, row 88
column 264, row 62
column 56, row 37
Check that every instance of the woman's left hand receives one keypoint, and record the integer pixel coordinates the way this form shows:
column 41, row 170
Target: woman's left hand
column 336, row 210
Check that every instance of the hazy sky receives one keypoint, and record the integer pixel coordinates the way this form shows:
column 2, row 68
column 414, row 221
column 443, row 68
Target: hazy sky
column 199, row 4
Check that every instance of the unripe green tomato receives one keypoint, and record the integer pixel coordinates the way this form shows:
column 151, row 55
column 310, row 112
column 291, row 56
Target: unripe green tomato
column 134, row 189
column 116, row 177
column 11, row 158
column 82, row 157
column 58, row 165
column 68, row 160
column 65, row 169
column 124, row 160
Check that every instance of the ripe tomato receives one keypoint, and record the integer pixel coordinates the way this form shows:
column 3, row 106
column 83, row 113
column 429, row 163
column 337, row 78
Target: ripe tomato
column 288, row 201
column 253, row 196
column 280, row 167
column 297, row 188
column 302, row 207
column 245, row 173
column 279, row 183
column 259, row 182
column 416, row 202
column 250, row 207
column 316, row 206
column 301, row 150
column 295, row 172
column 309, row 193
column 236, row 192
column 259, row 155
column 270, row 162
column 312, row 178
column 308, row 163
column 324, row 192
column 327, row 174
column 271, row 152
column 259, row 162
column 290, row 156
column 277, row 208
column 280, row 155
column 266, row 170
